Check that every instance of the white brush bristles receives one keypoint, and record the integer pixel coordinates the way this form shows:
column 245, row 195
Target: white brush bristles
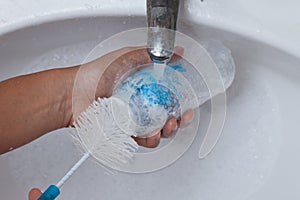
column 98, row 134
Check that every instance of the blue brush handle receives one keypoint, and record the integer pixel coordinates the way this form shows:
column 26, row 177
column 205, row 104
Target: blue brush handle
column 51, row 193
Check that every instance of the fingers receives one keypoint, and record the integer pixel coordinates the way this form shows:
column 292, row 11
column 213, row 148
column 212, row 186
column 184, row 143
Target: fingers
column 151, row 141
column 172, row 124
column 34, row 194
column 178, row 54
column 120, row 62
column 170, row 128
column 126, row 60
column 186, row 118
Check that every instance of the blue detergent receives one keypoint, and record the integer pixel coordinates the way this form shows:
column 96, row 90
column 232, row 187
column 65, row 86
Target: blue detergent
column 147, row 97
column 146, row 92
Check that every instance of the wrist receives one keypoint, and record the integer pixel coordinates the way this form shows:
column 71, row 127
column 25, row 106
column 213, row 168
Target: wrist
column 63, row 82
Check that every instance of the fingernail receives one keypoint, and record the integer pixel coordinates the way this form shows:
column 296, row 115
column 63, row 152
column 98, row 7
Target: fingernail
column 166, row 133
column 175, row 128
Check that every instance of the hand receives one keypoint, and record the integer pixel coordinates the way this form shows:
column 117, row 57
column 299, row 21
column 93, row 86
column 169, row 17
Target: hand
column 110, row 68
column 88, row 87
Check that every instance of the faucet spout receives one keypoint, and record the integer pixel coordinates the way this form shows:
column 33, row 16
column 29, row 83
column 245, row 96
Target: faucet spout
column 162, row 20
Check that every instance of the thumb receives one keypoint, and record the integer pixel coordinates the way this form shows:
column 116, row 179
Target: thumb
column 34, row 194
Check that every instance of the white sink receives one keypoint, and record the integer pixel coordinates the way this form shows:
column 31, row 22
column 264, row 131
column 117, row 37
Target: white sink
column 256, row 157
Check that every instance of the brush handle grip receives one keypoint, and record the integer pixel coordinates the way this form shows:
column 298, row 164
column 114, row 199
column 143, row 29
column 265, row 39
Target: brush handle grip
column 51, row 193
column 53, row 190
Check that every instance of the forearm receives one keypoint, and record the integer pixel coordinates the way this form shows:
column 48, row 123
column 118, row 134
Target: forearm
column 33, row 105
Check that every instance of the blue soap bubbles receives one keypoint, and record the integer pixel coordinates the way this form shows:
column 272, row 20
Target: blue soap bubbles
column 152, row 98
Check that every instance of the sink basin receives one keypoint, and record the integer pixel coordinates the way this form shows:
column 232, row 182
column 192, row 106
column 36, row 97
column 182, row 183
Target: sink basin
column 255, row 157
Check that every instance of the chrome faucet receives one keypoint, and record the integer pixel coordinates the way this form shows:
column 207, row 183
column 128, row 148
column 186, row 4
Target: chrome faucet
column 162, row 19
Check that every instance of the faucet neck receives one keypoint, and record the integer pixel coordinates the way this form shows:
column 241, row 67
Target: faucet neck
column 162, row 20
column 162, row 13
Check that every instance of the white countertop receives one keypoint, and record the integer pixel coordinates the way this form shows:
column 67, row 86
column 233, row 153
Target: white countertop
column 273, row 20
